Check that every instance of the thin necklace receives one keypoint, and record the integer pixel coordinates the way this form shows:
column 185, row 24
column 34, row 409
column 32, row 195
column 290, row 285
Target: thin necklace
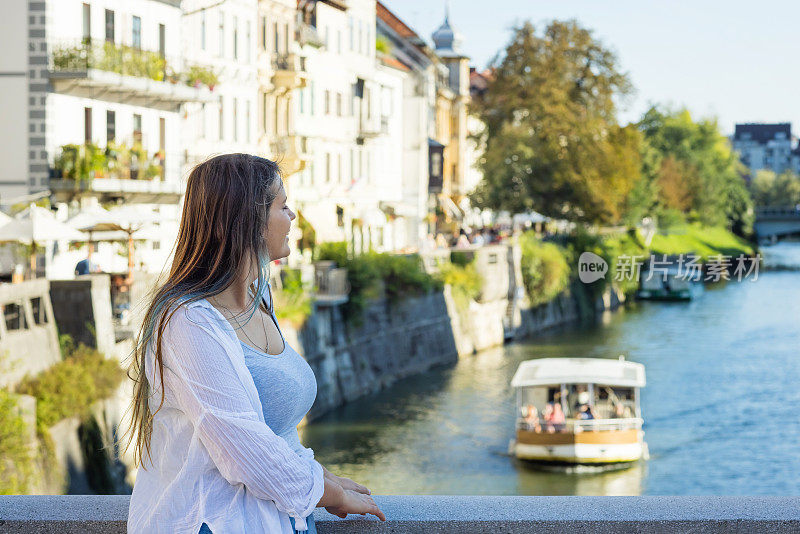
column 264, row 326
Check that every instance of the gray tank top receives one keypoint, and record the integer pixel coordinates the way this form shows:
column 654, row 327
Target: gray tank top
column 286, row 386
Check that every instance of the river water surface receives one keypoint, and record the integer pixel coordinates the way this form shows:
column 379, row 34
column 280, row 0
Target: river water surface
column 721, row 406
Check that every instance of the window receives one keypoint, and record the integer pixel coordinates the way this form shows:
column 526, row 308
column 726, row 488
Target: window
column 162, row 40
column 162, row 137
column 285, row 37
column 221, row 34
column 311, row 96
column 87, row 23
column 87, row 125
column 15, row 316
column 264, row 121
column 339, row 216
column 338, row 41
column 247, row 41
column 264, row 34
column 339, row 104
column 156, row 245
column 302, row 100
column 235, row 119
column 136, row 32
column 203, row 31
column 327, row 102
column 111, row 126
column 247, row 120
column 327, row 167
column 109, row 26
column 352, row 33
column 39, row 311
column 276, row 38
column 339, row 173
column 221, row 120
column 235, row 45
column 137, row 128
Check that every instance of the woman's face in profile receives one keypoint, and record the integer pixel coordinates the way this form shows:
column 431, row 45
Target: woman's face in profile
column 279, row 221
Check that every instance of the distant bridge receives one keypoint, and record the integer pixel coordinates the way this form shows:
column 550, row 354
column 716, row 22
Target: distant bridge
column 773, row 223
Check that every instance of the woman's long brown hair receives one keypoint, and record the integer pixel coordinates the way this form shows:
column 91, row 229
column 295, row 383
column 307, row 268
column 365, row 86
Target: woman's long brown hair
column 222, row 226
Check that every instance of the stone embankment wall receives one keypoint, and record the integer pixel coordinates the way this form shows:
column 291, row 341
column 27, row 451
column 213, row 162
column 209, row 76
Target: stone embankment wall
column 407, row 337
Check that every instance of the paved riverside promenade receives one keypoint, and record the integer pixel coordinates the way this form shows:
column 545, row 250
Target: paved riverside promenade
column 67, row 514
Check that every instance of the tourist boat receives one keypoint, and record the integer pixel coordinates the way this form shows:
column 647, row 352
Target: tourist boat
column 579, row 411
column 669, row 281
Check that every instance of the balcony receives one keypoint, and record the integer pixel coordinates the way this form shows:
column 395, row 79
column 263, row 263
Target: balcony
column 290, row 72
column 124, row 74
column 111, row 174
column 291, row 153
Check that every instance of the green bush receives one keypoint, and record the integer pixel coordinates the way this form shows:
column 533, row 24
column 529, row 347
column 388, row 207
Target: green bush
column 292, row 301
column 545, row 270
column 16, row 467
column 69, row 387
column 464, row 280
column 332, row 250
column 373, row 275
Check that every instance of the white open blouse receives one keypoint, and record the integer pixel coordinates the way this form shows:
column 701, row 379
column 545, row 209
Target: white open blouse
column 215, row 460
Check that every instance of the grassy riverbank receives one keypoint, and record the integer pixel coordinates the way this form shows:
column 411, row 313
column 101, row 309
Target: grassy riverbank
column 702, row 240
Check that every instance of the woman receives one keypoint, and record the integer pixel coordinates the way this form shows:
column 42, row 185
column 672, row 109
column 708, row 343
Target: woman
column 222, row 446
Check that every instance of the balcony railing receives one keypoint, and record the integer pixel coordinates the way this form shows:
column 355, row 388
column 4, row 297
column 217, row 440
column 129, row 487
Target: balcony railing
column 127, row 74
column 290, row 71
column 114, row 172
column 332, row 286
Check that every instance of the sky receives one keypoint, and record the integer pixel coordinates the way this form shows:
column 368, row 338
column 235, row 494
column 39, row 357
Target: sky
column 734, row 60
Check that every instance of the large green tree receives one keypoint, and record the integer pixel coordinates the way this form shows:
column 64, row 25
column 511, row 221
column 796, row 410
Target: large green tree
column 552, row 142
column 699, row 174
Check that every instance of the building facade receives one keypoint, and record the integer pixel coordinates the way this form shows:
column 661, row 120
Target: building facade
column 767, row 146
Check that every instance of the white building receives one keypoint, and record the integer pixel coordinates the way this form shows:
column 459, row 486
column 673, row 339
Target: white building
column 223, row 37
column 766, row 146
column 350, row 111
column 95, row 96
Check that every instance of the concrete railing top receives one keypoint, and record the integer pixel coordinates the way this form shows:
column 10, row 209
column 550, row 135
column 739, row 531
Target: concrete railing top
column 457, row 514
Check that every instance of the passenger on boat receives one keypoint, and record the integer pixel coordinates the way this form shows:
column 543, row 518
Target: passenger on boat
column 554, row 418
column 532, row 418
column 584, row 410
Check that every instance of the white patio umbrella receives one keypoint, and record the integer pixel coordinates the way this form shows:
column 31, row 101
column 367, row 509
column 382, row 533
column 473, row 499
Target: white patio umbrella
column 117, row 224
column 131, row 219
column 36, row 225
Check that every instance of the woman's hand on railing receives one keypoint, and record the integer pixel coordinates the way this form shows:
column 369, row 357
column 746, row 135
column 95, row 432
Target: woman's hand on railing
column 354, row 502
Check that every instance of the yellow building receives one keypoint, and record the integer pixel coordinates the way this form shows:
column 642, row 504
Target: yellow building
column 452, row 99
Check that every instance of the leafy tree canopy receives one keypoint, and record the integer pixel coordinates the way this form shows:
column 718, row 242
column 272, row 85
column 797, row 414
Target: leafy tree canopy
column 551, row 141
column 696, row 171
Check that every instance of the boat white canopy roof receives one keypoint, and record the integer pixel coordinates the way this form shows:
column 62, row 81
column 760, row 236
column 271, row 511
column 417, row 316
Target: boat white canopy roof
column 550, row 371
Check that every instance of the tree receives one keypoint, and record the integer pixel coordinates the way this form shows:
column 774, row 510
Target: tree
column 769, row 189
column 551, row 141
column 700, row 174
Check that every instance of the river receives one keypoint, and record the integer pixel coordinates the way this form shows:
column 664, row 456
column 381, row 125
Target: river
column 721, row 406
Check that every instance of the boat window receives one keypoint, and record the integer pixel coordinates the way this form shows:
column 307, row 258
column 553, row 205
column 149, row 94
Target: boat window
column 614, row 402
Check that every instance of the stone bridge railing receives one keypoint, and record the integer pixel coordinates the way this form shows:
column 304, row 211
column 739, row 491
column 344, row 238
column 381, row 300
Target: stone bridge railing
column 457, row 514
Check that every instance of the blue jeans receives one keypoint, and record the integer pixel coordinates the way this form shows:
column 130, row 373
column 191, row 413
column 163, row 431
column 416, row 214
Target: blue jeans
column 312, row 529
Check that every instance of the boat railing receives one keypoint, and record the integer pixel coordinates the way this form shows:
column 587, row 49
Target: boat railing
column 580, row 425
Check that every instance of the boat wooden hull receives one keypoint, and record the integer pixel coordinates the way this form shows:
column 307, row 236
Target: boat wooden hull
column 589, row 447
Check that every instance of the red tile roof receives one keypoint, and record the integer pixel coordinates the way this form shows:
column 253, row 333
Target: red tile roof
column 393, row 21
